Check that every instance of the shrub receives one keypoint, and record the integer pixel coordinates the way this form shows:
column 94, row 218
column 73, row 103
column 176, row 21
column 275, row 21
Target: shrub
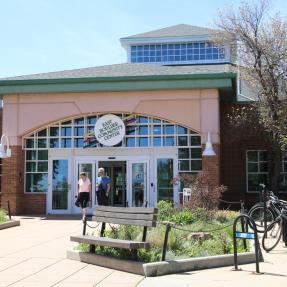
column 182, row 217
column 3, row 216
column 165, row 210
column 205, row 194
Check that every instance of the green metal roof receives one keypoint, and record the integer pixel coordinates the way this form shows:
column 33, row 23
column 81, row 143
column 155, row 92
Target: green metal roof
column 122, row 77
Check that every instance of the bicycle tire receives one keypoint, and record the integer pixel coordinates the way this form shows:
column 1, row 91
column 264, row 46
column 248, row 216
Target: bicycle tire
column 272, row 235
column 257, row 214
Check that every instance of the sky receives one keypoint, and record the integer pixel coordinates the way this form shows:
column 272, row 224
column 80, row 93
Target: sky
column 38, row 36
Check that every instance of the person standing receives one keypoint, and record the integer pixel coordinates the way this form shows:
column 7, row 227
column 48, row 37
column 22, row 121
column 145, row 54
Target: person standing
column 84, row 193
column 103, row 187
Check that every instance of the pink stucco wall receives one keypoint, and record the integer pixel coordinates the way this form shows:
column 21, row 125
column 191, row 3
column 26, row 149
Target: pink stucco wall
column 196, row 109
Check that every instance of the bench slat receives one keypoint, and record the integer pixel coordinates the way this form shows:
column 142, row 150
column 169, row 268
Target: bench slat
column 136, row 216
column 124, row 221
column 146, row 210
column 104, row 241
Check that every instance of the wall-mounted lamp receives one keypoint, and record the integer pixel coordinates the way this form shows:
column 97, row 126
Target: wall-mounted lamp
column 208, row 151
column 5, row 151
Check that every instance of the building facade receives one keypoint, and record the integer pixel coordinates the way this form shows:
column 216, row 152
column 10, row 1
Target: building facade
column 176, row 86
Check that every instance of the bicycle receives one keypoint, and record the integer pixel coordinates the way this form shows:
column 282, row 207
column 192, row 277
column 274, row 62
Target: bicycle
column 274, row 206
column 273, row 232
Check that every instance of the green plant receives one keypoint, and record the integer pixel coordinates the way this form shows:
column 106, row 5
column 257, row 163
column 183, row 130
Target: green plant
column 183, row 217
column 165, row 210
column 3, row 216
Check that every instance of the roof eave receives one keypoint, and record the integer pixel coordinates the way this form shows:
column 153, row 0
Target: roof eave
column 127, row 83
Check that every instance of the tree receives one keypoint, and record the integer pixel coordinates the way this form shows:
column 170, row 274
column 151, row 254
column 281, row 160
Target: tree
column 260, row 43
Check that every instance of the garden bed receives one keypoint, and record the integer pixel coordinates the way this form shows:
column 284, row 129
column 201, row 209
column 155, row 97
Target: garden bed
column 9, row 223
column 161, row 267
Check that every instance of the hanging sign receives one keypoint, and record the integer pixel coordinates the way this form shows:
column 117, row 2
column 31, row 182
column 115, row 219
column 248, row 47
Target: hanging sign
column 109, row 130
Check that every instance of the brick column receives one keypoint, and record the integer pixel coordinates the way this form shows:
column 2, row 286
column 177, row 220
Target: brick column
column 211, row 164
column 13, row 180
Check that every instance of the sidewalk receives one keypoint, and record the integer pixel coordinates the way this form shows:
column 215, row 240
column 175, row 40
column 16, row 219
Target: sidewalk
column 34, row 255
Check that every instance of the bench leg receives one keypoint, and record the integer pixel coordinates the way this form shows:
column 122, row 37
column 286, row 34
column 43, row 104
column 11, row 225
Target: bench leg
column 92, row 248
column 134, row 254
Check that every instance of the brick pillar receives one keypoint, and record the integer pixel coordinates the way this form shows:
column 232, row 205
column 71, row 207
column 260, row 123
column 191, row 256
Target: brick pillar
column 211, row 165
column 13, row 180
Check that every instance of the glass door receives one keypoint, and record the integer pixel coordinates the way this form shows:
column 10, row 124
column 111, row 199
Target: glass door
column 59, row 193
column 116, row 171
column 89, row 167
column 166, row 171
column 138, row 174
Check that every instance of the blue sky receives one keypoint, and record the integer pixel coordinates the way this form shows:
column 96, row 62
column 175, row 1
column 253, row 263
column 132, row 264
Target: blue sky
column 52, row 35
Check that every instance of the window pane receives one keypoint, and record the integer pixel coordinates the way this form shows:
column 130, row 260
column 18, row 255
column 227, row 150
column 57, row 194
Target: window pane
column 254, row 180
column 30, row 166
column 195, row 152
column 130, row 142
column 66, row 132
column 168, row 141
column 30, row 143
column 195, row 141
column 181, row 130
column 36, row 182
column 182, row 141
column 183, row 153
column 66, row 143
column 196, row 165
column 263, row 166
column 79, row 142
column 169, row 129
column 253, row 167
column 263, row 156
column 42, row 143
column 79, row 121
column 130, row 130
column 42, row 133
column 42, row 155
column 156, row 121
column 30, row 155
column 78, row 131
column 143, row 120
column 143, row 141
column 92, row 120
column 42, row 166
column 156, row 130
column 54, row 143
column 54, row 132
column 183, row 165
column 66, row 123
column 143, row 130
column 252, row 156
column 156, row 141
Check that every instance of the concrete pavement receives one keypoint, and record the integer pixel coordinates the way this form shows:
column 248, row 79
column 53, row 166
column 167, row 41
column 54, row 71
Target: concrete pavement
column 34, row 254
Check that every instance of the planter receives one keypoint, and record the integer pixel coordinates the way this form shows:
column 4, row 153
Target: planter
column 163, row 267
column 10, row 223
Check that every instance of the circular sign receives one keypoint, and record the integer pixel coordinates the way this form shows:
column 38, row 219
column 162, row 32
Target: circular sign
column 110, row 130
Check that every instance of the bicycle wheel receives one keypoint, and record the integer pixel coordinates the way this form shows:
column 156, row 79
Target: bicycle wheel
column 272, row 235
column 257, row 214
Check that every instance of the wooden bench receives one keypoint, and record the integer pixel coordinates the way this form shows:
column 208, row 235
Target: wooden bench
column 137, row 216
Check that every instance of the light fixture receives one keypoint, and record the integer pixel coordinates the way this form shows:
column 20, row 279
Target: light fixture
column 208, row 151
column 5, row 151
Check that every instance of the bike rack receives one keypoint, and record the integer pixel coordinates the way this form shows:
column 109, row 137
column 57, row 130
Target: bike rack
column 244, row 234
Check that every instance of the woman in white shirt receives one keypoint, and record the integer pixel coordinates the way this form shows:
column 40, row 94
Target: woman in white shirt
column 84, row 192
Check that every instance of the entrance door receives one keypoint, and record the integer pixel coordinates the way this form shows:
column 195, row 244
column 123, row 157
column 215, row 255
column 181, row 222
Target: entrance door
column 116, row 170
column 59, row 193
column 138, row 171
column 88, row 166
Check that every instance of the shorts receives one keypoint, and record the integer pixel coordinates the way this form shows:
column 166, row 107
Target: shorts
column 102, row 198
column 83, row 199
